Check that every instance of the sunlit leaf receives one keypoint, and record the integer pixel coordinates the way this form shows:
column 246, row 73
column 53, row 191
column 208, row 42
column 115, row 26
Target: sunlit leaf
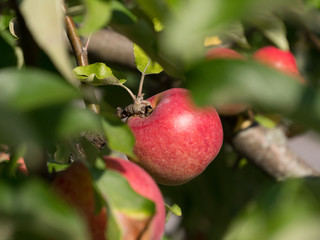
column 264, row 121
column 94, row 8
column 174, row 209
column 144, row 62
column 46, row 23
column 98, row 74
column 32, row 89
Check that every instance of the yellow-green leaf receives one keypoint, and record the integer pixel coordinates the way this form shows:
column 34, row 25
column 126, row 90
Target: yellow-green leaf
column 144, row 62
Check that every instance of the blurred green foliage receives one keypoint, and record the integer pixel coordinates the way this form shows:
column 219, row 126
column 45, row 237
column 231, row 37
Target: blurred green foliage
column 41, row 109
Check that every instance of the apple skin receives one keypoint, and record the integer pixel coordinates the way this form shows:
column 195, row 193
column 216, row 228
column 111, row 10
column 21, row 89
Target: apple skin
column 178, row 140
column 221, row 52
column 143, row 184
column 281, row 60
column 74, row 185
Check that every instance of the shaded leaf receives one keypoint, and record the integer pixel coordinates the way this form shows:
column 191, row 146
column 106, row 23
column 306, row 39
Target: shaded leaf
column 235, row 33
column 184, row 34
column 32, row 89
column 15, row 129
column 94, row 8
column 4, row 21
column 117, row 191
column 119, row 135
column 142, row 32
column 98, row 74
column 144, row 62
column 46, row 23
column 64, row 122
column 154, row 8
column 225, row 81
column 288, row 210
column 33, row 204
column 273, row 28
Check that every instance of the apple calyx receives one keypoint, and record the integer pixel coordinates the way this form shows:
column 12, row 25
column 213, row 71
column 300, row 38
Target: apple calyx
column 139, row 107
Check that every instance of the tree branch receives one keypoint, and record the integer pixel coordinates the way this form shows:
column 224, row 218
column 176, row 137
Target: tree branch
column 268, row 149
column 87, row 90
column 81, row 56
column 109, row 46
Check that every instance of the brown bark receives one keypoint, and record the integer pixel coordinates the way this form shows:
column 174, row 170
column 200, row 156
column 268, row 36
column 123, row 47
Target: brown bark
column 268, row 149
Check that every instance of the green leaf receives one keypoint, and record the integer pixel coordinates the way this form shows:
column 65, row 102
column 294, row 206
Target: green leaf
column 235, row 33
column 33, row 204
column 98, row 13
column 32, row 89
column 175, row 209
column 154, row 8
column 144, row 62
column 264, row 121
column 289, row 210
column 61, row 123
column 4, row 21
column 46, row 24
column 142, row 32
column 54, row 167
column 119, row 135
column 15, row 129
column 72, row 121
column 7, row 48
column 223, row 81
column 184, row 35
column 120, row 196
column 273, row 28
column 98, row 74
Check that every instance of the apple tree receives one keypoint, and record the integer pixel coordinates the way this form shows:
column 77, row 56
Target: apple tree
column 158, row 119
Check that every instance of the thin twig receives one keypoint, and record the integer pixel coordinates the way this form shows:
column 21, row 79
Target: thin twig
column 81, row 55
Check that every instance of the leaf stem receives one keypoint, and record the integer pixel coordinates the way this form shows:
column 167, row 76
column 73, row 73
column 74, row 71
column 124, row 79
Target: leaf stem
column 143, row 74
column 134, row 98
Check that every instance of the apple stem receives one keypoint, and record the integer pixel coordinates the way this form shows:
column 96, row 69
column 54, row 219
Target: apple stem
column 143, row 74
column 134, row 98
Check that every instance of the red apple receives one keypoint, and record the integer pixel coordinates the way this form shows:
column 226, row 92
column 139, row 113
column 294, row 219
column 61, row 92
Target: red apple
column 143, row 184
column 281, row 60
column 75, row 186
column 221, row 52
column 178, row 140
